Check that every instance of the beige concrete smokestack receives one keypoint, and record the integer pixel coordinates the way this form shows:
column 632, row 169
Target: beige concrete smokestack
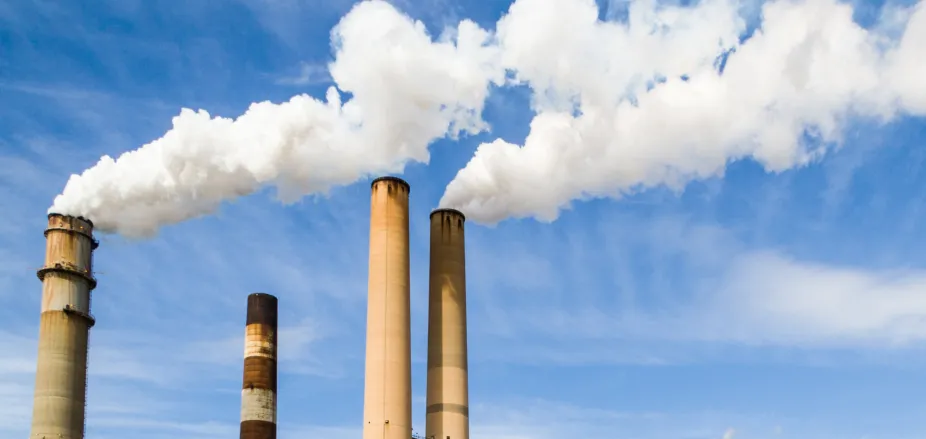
column 61, row 370
column 448, row 392
column 259, row 389
column 387, row 397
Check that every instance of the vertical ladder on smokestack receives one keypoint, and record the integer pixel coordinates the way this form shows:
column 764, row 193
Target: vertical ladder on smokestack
column 86, row 380
column 94, row 244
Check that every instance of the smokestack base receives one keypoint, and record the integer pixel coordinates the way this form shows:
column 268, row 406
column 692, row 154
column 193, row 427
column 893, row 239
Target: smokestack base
column 392, row 179
column 447, row 210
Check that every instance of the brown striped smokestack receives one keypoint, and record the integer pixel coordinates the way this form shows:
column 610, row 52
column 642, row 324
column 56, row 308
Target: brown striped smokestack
column 259, row 390
column 387, row 397
column 61, row 367
column 447, row 415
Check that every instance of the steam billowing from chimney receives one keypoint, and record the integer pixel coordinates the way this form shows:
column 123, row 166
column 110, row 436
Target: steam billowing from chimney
column 603, row 128
column 407, row 91
column 672, row 95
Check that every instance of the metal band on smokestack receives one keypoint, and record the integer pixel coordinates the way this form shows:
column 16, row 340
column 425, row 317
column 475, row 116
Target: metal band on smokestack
column 58, row 409
column 259, row 390
column 387, row 399
column 447, row 392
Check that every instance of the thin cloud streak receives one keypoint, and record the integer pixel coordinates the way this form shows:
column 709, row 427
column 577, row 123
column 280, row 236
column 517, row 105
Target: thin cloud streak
column 546, row 419
column 309, row 74
column 718, row 292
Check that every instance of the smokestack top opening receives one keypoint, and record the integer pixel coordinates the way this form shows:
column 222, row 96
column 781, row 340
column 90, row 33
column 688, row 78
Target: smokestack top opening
column 393, row 179
column 447, row 210
column 61, row 215
column 262, row 308
column 66, row 223
column 263, row 295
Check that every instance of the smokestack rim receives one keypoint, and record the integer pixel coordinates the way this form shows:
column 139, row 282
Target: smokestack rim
column 262, row 294
column 393, row 179
column 56, row 215
column 262, row 308
column 94, row 243
column 447, row 210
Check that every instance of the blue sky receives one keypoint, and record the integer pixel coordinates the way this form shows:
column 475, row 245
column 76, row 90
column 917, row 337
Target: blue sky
column 750, row 305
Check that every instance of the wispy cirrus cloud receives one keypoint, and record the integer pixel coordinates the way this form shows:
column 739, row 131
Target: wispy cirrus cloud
column 547, row 419
column 705, row 287
column 307, row 74
column 285, row 18
column 763, row 298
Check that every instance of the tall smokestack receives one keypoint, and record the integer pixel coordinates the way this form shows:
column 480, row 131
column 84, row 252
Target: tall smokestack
column 61, row 370
column 259, row 390
column 387, row 398
column 447, row 394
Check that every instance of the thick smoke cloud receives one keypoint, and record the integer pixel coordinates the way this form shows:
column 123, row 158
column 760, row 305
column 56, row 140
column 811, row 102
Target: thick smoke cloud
column 603, row 128
column 671, row 94
column 407, row 90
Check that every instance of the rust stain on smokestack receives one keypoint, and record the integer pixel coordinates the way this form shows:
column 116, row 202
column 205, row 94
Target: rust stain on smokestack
column 259, row 390
column 447, row 392
column 387, row 399
column 61, row 368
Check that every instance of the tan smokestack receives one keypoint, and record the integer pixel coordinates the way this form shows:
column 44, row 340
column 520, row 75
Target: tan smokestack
column 387, row 398
column 447, row 393
column 61, row 370
column 259, row 390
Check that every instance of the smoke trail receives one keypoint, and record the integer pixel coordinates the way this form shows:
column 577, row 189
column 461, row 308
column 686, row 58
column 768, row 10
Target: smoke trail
column 673, row 95
column 407, row 90
column 669, row 96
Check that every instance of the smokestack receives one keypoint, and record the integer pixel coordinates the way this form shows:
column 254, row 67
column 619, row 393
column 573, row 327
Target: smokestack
column 387, row 398
column 259, row 390
column 61, row 372
column 447, row 394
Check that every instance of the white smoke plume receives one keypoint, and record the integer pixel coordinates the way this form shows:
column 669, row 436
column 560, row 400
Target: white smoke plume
column 605, row 128
column 407, row 90
column 620, row 106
